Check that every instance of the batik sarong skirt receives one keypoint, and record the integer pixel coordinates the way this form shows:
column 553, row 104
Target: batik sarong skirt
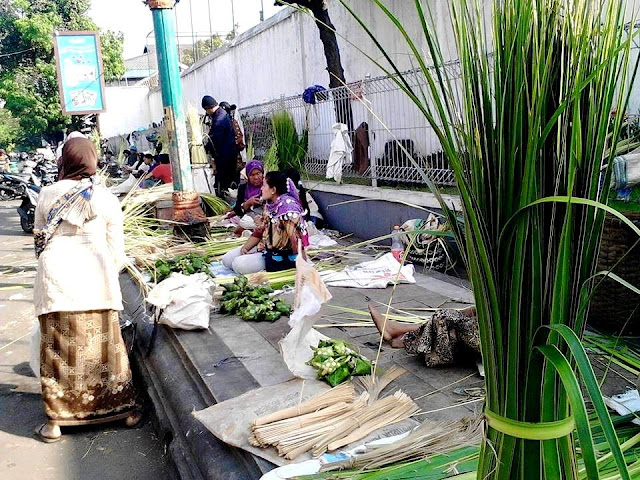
column 84, row 368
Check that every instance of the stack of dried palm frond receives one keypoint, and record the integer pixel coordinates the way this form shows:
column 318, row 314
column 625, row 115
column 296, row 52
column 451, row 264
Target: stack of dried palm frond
column 332, row 420
column 429, row 439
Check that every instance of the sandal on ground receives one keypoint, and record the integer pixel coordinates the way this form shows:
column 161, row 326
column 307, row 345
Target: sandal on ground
column 42, row 437
column 134, row 420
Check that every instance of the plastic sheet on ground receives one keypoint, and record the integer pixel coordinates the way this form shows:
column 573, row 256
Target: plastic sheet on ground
column 230, row 421
column 320, row 240
column 625, row 403
column 313, row 466
column 377, row 273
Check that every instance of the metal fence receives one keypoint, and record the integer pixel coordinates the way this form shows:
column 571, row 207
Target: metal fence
column 399, row 135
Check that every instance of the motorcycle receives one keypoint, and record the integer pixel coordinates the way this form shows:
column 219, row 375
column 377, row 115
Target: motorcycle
column 27, row 209
column 12, row 186
column 28, row 191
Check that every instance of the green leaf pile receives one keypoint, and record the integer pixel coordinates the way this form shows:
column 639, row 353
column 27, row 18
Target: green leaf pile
column 185, row 264
column 336, row 362
column 252, row 303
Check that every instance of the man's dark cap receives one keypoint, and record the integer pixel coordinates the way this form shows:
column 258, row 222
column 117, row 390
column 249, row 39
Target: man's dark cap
column 208, row 102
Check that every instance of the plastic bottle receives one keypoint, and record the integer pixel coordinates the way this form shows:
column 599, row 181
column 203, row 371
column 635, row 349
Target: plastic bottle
column 397, row 246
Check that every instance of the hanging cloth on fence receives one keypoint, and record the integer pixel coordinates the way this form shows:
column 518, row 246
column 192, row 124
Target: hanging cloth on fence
column 361, row 152
column 341, row 149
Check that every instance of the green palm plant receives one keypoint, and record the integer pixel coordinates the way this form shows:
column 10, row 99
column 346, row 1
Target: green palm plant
column 290, row 147
column 527, row 134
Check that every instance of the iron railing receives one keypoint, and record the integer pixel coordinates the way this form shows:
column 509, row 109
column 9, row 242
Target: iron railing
column 397, row 130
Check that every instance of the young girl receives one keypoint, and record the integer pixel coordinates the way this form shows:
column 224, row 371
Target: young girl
column 273, row 246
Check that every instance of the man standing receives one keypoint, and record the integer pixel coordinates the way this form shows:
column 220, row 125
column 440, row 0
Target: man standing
column 220, row 144
column 237, row 132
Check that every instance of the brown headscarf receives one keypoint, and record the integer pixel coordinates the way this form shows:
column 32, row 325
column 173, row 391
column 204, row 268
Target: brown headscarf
column 79, row 159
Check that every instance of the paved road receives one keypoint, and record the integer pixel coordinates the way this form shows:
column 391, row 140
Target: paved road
column 96, row 453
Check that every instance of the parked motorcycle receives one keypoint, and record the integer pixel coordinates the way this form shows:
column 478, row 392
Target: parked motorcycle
column 27, row 209
column 12, row 186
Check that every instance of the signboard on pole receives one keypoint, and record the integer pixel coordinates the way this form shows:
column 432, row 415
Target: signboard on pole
column 80, row 74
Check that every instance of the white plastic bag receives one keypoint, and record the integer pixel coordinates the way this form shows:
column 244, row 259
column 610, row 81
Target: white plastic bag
column 186, row 300
column 124, row 187
column 34, row 349
column 311, row 293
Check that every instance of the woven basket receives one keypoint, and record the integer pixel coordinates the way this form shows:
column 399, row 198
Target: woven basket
column 612, row 303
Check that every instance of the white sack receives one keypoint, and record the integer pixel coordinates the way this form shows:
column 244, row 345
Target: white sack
column 186, row 300
column 625, row 403
column 124, row 187
column 374, row 274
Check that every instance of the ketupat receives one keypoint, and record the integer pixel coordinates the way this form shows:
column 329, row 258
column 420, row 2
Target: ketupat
column 336, row 362
column 252, row 303
column 185, row 264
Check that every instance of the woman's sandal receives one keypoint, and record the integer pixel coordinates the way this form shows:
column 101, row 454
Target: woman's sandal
column 42, row 437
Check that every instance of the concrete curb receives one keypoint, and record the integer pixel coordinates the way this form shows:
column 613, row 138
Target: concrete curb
column 177, row 389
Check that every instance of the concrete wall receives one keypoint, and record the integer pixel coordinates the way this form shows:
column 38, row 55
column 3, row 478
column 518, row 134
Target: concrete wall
column 127, row 110
column 283, row 55
column 356, row 217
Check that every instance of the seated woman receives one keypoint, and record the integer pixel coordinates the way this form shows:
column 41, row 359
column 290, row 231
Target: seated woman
column 312, row 213
column 450, row 336
column 163, row 170
column 273, row 246
column 249, row 200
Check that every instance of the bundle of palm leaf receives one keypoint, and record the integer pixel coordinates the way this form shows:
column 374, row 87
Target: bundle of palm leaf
column 291, row 147
column 527, row 132
column 146, row 237
column 215, row 203
column 121, row 149
column 270, row 159
column 196, row 145
column 333, row 419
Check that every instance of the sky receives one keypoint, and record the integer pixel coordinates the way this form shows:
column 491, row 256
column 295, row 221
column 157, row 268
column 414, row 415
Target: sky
column 133, row 18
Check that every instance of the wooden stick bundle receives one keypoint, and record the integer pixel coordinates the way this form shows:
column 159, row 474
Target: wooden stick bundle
column 331, row 420
column 341, row 393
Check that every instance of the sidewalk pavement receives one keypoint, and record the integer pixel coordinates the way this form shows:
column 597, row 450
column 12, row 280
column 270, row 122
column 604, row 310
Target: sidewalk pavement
column 102, row 452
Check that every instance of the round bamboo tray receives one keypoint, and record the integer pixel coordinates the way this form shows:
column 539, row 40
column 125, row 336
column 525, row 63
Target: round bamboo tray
column 613, row 304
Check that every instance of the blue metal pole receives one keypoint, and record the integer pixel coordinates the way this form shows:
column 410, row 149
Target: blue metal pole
column 186, row 201
column 169, row 74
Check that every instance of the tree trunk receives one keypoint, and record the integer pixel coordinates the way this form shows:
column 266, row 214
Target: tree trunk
column 337, row 81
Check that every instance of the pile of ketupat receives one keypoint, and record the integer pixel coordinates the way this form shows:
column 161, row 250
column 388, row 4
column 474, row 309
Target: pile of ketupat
column 336, row 362
column 252, row 303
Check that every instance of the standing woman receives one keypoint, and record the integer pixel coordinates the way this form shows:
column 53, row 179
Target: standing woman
column 79, row 239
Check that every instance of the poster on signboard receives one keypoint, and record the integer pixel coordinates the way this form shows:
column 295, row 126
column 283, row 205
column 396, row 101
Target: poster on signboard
column 80, row 78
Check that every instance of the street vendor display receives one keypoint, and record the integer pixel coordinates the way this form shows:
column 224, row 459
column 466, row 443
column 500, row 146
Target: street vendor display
column 331, row 420
column 252, row 302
